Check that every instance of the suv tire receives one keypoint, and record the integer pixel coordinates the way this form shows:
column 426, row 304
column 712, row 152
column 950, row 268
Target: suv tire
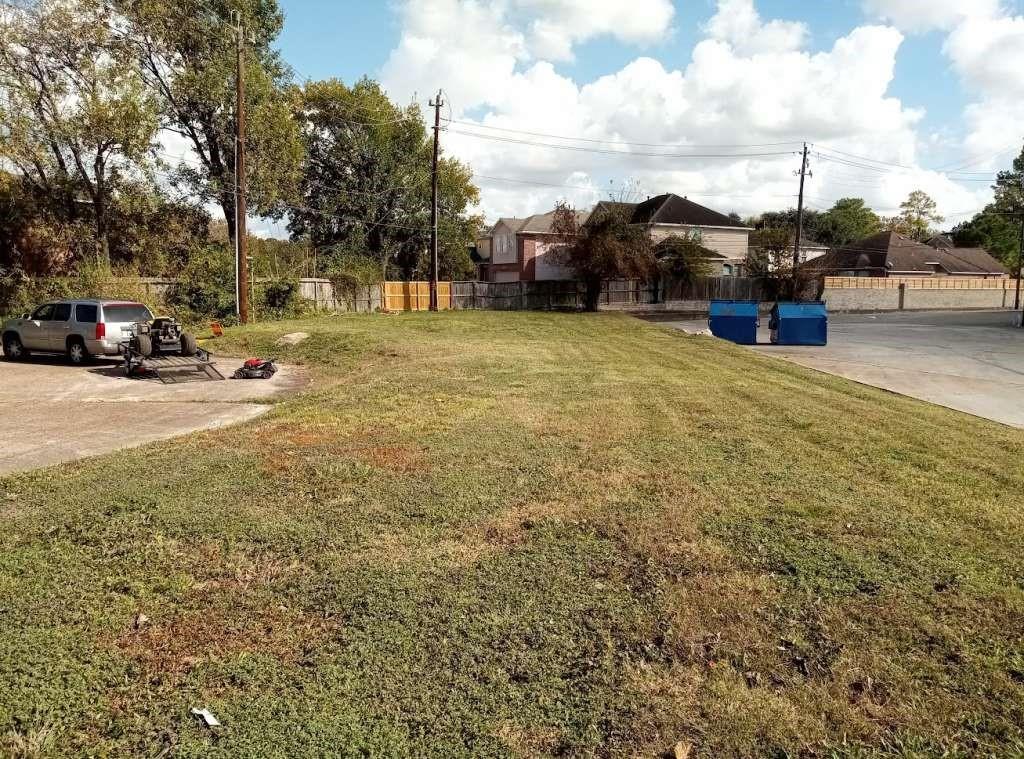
column 13, row 348
column 77, row 353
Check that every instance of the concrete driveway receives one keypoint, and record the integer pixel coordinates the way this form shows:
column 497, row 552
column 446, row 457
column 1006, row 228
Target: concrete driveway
column 971, row 361
column 51, row 412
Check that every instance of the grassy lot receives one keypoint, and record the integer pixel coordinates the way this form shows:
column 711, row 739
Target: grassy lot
column 512, row 534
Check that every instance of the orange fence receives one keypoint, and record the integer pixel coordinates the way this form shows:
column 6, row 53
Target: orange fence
column 415, row 296
column 919, row 283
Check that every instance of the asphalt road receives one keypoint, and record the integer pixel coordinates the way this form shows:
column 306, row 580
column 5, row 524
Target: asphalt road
column 971, row 361
column 51, row 412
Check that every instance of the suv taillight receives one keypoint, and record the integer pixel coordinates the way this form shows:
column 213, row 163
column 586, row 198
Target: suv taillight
column 101, row 330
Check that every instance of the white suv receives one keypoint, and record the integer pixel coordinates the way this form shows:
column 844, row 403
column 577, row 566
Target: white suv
column 79, row 329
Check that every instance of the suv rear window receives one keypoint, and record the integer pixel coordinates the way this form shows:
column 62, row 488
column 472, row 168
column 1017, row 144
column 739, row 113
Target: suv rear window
column 86, row 314
column 126, row 312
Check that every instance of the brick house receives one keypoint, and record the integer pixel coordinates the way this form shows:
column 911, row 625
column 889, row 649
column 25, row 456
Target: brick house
column 669, row 214
column 523, row 250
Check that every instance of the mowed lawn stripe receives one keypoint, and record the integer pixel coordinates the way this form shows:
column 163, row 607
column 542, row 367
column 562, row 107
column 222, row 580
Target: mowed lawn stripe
column 516, row 534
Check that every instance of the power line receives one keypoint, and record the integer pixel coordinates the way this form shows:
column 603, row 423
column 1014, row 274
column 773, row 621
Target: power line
column 598, row 190
column 581, row 149
column 618, row 142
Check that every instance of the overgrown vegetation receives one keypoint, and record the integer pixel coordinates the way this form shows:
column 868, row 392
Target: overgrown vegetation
column 92, row 89
column 516, row 534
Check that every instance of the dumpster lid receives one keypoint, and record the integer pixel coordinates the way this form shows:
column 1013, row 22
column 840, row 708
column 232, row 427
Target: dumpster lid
column 733, row 308
column 809, row 310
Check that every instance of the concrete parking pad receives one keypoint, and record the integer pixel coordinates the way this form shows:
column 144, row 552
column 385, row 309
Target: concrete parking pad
column 51, row 412
column 971, row 361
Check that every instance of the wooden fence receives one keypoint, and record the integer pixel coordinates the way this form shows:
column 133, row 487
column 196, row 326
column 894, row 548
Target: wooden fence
column 415, row 296
column 624, row 294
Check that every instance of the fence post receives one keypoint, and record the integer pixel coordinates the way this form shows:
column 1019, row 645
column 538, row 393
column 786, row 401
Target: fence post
column 903, row 294
column 522, row 297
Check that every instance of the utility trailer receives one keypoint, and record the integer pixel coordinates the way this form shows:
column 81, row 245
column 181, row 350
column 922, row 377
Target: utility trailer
column 168, row 369
column 164, row 349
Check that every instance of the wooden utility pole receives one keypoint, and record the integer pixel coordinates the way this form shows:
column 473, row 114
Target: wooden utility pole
column 799, row 222
column 436, row 105
column 1020, row 270
column 241, row 232
column 1020, row 249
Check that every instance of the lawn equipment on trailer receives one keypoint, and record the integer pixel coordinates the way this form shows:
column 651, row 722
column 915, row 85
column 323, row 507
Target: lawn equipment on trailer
column 163, row 345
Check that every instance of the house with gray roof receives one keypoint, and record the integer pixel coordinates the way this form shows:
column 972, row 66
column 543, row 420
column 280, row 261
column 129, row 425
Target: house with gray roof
column 888, row 254
column 527, row 249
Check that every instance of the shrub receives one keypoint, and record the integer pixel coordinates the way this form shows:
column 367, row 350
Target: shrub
column 20, row 293
column 206, row 287
column 279, row 299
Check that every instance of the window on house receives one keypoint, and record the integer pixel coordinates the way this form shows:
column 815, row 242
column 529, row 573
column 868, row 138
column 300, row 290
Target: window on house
column 727, row 270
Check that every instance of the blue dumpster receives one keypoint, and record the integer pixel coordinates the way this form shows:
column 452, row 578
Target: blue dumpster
column 799, row 324
column 734, row 320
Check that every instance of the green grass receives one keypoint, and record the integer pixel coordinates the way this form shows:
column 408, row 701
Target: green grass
column 513, row 534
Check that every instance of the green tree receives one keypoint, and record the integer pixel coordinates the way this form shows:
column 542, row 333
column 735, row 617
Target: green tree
column 996, row 232
column 78, row 118
column 186, row 49
column 918, row 214
column 605, row 247
column 787, row 220
column 847, row 221
column 365, row 187
column 683, row 258
column 997, row 228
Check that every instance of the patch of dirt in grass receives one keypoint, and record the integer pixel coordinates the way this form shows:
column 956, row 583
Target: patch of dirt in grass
column 529, row 742
column 175, row 646
column 394, row 458
column 219, row 569
column 511, row 527
column 290, row 445
column 398, row 548
column 30, row 744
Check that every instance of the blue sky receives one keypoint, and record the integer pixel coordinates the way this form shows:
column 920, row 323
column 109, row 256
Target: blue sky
column 946, row 103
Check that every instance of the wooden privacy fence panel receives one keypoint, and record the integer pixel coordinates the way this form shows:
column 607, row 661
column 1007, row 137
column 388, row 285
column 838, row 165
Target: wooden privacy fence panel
column 919, row 283
column 415, row 296
column 715, row 288
column 565, row 294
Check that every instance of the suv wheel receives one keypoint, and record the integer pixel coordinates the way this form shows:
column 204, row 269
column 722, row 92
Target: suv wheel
column 77, row 353
column 13, row 349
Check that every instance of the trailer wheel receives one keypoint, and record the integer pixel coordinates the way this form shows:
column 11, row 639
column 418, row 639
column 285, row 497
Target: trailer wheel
column 145, row 345
column 189, row 345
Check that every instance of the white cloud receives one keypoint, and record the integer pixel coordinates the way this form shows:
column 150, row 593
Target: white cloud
column 749, row 82
column 466, row 45
column 560, row 24
column 738, row 23
column 926, row 15
column 474, row 45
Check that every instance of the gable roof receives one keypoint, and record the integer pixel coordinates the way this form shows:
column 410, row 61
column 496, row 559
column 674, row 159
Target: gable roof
column 672, row 209
column 511, row 222
column 892, row 253
column 541, row 223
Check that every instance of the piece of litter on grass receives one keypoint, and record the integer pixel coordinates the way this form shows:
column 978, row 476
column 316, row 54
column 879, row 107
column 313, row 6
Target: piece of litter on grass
column 140, row 620
column 206, row 716
column 682, row 750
